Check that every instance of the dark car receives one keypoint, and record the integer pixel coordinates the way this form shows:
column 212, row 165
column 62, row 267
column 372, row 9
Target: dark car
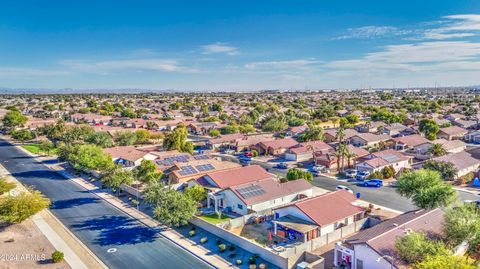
column 281, row 166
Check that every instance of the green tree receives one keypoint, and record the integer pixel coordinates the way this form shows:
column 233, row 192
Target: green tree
column 426, row 188
column 247, row 129
column 143, row 136
column 46, row 146
column 15, row 209
column 214, row 132
column 274, row 124
column 388, row 172
column 446, row 169
column 313, row 133
column 197, row 193
column 14, row 118
column 229, row 129
column 437, row 150
column 22, row 135
column 129, row 113
column 88, row 157
column 171, row 208
column 147, row 172
column 177, row 140
column 125, row 138
column 429, row 128
column 463, row 224
column 415, row 247
column 294, row 174
column 444, row 261
column 6, row 186
column 101, row 139
column 76, row 134
column 116, row 176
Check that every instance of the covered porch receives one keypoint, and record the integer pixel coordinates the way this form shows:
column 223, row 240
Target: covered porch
column 292, row 229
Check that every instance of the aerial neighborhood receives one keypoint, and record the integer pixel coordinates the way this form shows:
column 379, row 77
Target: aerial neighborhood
column 272, row 179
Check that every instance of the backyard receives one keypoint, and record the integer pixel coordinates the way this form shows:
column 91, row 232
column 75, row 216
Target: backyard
column 214, row 218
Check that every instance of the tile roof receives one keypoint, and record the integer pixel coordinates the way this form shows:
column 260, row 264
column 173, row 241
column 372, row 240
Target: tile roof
column 280, row 143
column 272, row 189
column 412, row 140
column 129, row 153
column 239, row 175
column 453, row 130
column 329, row 208
column 461, row 160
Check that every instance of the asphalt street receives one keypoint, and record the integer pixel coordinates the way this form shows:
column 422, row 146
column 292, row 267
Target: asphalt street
column 385, row 196
column 117, row 239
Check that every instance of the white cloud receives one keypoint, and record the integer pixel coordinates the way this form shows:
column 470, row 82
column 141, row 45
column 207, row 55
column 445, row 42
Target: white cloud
column 118, row 65
column 372, row 32
column 219, row 47
column 455, row 26
column 302, row 64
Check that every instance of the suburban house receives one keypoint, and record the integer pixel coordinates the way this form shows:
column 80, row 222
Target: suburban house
column 260, row 195
column 473, row 137
column 237, row 142
column 304, row 151
column 295, row 130
column 452, row 133
column 463, row 161
column 451, row 146
column 90, row 118
column 226, row 141
column 330, row 135
column 329, row 158
column 182, row 172
column 397, row 129
column 201, row 128
column 411, row 143
column 467, row 124
column 370, row 127
column 368, row 139
column 369, row 248
column 379, row 160
column 276, row 147
column 317, row 216
column 128, row 156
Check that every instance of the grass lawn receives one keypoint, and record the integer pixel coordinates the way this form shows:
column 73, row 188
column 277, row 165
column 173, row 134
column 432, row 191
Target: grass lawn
column 35, row 149
column 213, row 218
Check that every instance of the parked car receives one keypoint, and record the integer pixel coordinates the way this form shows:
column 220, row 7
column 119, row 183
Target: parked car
column 248, row 154
column 477, row 202
column 373, row 183
column 315, row 173
column 362, row 175
column 342, row 187
column 318, row 168
column 351, row 173
column 229, row 151
column 281, row 166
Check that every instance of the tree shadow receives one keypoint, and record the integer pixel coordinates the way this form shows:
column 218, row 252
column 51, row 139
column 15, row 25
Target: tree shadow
column 118, row 230
column 69, row 203
column 43, row 174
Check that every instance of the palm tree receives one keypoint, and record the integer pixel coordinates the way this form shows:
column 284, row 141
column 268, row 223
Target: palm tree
column 437, row 150
column 349, row 155
column 340, row 135
column 341, row 152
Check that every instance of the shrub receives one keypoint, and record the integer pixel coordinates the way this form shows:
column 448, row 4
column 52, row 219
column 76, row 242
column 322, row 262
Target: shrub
column 262, row 266
column 376, row 174
column 222, row 247
column 238, row 262
column 57, row 256
column 219, row 241
column 191, row 233
column 252, row 259
column 231, row 247
column 203, row 240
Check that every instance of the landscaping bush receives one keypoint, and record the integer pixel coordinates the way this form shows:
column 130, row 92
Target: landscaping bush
column 191, row 233
column 57, row 256
column 252, row 259
column 203, row 240
column 219, row 241
column 238, row 262
column 377, row 174
column 222, row 247
column 231, row 247
column 262, row 266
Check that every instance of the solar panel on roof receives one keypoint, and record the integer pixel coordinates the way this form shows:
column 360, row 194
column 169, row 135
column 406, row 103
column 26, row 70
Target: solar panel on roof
column 204, row 167
column 251, row 191
column 201, row 157
column 187, row 170
column 390, row 157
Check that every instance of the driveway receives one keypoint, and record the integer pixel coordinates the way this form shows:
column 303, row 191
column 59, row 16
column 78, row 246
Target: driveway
column 117, row 239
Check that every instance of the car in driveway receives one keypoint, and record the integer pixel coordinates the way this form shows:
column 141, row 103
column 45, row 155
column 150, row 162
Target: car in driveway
column 342, row 187
column 362, row 175
column 352, row 173
column 372, row 183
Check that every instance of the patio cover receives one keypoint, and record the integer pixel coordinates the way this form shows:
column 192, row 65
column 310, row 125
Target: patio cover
column 296, row 224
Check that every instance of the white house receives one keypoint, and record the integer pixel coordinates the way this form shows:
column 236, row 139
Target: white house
column 379, row 160
column 374, row 248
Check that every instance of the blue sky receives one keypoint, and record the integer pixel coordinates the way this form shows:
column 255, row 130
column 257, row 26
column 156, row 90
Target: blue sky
column 239, row 45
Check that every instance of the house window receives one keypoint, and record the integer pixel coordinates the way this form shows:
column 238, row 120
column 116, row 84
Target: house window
column 240, row 206
column 359, row 264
